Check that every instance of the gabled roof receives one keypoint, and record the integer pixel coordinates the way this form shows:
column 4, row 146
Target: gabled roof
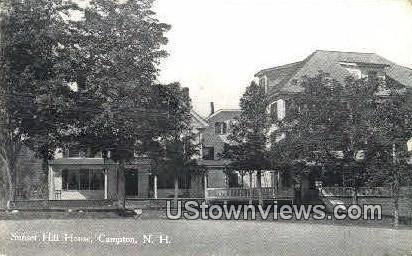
column 197, row 120
column 285, row 77
column 226, row 114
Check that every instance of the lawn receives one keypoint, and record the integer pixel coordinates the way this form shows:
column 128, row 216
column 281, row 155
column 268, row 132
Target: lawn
column 197, row 238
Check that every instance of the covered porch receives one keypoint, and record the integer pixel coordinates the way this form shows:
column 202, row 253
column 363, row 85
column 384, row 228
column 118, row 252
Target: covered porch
column 84, row 179
column 221, row 184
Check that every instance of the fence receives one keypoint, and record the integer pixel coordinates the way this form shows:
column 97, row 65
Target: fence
column 248, row 193
column 331, row 196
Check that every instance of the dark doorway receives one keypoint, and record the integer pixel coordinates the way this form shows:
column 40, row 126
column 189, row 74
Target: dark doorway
column 131, row 182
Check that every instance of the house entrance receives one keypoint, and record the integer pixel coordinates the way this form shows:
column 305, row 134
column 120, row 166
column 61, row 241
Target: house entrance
column 131, row 182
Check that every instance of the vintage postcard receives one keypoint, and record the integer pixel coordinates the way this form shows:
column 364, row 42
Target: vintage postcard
column 206, row 127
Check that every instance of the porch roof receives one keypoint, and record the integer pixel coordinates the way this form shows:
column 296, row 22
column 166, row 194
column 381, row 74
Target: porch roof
column 81, row 161
column 221, row 163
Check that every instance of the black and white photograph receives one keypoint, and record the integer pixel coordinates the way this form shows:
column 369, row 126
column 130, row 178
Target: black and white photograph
column 206, row 127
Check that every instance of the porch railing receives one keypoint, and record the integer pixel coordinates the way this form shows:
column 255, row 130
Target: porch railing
column 245, row 193
column 362, row 191
column 61, row 204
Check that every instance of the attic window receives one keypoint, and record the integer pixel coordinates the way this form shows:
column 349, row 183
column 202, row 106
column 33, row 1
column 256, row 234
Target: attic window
column 294, row 82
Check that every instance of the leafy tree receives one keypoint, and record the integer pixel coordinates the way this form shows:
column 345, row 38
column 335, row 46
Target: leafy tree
column 248, row 150
column 117, row 48
column 391, row 128
column 361, row 126
column 87, row 83
column 326, row 125
column 175, row 149
column 31, row 79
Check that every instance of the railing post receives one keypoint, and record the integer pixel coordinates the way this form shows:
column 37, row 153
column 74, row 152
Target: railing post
column 155, row 186
column 105, row 183
column 205, row 185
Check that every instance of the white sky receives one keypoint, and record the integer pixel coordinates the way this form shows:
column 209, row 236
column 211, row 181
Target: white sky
column 216, row 46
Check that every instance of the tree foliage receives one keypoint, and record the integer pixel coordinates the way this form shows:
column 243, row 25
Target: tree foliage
column 115, row 51
column 32, row 79
column 350, row 127
column 248, row 135
column 88, row 82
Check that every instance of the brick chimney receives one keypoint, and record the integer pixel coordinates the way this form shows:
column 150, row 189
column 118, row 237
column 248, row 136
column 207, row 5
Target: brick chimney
column 212, row 108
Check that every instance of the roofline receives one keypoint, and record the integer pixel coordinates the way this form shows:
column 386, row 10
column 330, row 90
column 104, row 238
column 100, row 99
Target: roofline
column 278, row 67
column 360, row 63
column 222, row 110
column 199, row 118
column 318, row 50
column 297, row 62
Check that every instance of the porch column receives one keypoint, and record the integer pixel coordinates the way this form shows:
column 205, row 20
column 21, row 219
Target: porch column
column 155, row 186
column 205, row 184
column 51, row 183
column 105, row 184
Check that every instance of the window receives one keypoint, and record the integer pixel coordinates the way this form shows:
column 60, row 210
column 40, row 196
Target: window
column 262, row 81
column 208, row 153
column 372, row 75
column 281, row 109
column 83, row 180
column 165, row 181
column 409, row 144
column 273, row 110
column 74, row 152
column 220, row 128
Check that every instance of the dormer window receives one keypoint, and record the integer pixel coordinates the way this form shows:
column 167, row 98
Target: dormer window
column 353, row 69
column 220, row 128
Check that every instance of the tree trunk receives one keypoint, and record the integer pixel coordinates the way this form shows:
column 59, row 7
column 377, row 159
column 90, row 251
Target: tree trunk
column 259, row 186
column 44, row 187
column 176, row 192
column 10, row 183
column 395, row 189
column 121, row 195
column 396, row 211
column 9, row 165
